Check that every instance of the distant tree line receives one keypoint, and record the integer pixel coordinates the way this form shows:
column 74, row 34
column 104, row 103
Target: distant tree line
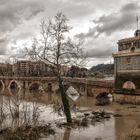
column 103, row 68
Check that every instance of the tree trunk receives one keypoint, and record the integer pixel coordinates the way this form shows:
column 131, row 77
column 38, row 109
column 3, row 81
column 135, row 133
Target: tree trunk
column 65, row 101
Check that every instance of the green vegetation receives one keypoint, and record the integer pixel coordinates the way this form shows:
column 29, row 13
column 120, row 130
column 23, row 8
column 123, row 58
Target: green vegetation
column 103, row 68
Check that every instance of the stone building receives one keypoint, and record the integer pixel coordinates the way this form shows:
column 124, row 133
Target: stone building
column 21, row 68
column 127, row 63
column 39, row 68
column 31, row 68
column 64, row 70
column 6, row 69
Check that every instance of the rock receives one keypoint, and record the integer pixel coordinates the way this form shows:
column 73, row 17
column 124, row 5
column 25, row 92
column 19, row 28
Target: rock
column 104, row 98
column 84, row 122
column 86, row 114
column 97, row 120
column 102, row 113
column 95, row 112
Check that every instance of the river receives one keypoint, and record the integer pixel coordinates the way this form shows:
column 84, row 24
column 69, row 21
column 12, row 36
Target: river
column 116, row 128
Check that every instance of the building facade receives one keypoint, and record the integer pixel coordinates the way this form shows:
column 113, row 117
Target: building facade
column 6, row 69
column 31, row 68
column 127, row 63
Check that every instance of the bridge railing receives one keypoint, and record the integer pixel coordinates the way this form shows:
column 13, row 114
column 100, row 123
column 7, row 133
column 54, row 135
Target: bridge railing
column 95, row 82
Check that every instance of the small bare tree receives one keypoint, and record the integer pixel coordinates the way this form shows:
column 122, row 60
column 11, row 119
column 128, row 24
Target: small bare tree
column 55, row 48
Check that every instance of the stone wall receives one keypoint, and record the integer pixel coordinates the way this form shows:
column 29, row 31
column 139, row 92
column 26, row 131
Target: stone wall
column 121, row 79
column 128, row 63
column 94, row 91
column 131, row 99
column 127, row 68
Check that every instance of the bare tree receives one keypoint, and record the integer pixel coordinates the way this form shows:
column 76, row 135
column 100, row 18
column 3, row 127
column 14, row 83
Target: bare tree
column 55, row 48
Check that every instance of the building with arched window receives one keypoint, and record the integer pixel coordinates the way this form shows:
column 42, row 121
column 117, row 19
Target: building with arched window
column 127, row 63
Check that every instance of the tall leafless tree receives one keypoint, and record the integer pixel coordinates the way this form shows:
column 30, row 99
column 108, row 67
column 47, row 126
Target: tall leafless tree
column 55, row 48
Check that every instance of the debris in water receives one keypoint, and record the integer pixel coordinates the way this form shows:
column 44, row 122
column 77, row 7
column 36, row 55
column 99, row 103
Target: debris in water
column 72, row 93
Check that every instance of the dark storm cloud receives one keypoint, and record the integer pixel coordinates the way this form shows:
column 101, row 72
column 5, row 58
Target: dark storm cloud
column 12, row 13
column 91, row 33
column 98, row 48
column 123, row 20
column 100, row 53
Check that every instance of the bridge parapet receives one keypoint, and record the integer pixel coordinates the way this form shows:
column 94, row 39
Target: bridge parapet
column 28, row 78
column 92, row 82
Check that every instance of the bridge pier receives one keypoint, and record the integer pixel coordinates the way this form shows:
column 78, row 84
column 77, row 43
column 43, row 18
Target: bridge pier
column 26, row 85
column 2, row 86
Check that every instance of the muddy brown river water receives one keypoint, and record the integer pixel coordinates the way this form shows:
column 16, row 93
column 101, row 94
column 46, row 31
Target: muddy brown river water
column 116, row 128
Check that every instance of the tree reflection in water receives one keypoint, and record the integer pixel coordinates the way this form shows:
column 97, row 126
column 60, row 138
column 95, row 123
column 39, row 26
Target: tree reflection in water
column 67, row 134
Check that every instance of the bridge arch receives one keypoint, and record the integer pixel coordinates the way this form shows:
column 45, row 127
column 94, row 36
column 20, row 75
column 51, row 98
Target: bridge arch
column 129, row 85
column 14, row 87
column 14, row 84
column 36, row 86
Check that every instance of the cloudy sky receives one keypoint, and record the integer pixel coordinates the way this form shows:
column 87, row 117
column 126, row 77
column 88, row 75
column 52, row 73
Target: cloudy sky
column 100, row 23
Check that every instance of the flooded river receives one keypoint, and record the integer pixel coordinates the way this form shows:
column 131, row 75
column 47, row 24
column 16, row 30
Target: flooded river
column 116, row 128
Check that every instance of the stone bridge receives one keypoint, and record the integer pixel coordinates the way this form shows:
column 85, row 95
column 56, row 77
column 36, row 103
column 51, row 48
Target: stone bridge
column 83, row 85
